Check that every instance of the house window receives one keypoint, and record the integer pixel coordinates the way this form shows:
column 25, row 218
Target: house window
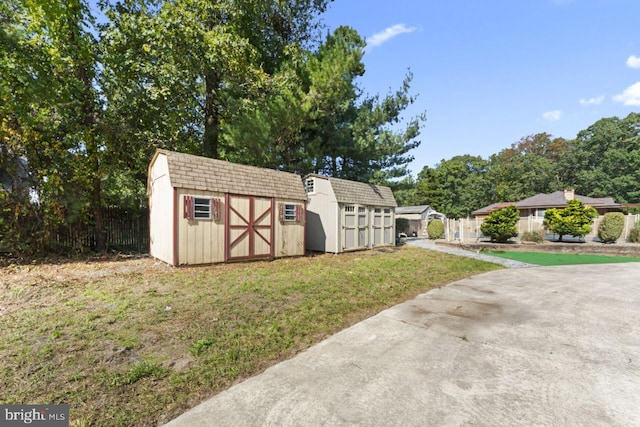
column 309, row 185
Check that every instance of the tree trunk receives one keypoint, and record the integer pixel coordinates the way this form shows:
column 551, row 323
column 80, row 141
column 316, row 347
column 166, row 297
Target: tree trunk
column 210, row 144
column 88, row 124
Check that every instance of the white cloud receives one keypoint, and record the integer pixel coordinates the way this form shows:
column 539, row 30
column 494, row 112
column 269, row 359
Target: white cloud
column 592, row 101
column 387, row 34
column 630, row 96
column 633, row 61
column 552, row 116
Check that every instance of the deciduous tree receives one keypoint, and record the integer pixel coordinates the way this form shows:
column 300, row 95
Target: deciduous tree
column 50, row 109
column 528, row 167
column 604, row 160
column 455, row 187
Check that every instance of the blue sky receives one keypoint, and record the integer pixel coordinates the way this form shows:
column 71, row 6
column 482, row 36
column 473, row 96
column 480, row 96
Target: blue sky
column 490, row 72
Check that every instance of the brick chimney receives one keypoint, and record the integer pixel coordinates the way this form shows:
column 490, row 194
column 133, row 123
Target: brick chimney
column 569, row 194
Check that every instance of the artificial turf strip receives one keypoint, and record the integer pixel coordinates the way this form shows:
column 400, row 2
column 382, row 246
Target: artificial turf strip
column 546, row 258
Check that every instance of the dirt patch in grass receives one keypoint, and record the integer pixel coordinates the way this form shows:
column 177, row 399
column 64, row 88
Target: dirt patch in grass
column 136, row 342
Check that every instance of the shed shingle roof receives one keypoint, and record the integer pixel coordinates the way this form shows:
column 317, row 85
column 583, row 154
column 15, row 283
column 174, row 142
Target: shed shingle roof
column 205, row 174
column 360, row 193
column 412, row 209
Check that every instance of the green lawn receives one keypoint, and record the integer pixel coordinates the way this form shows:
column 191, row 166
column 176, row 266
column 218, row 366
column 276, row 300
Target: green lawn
column 548, row 258
column 137, row 342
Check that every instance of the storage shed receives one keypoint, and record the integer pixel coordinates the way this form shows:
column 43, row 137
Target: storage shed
column 207, row 211
column 346, row 215
column 418, row 218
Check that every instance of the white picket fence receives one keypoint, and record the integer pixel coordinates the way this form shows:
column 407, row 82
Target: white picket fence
column 468, row 229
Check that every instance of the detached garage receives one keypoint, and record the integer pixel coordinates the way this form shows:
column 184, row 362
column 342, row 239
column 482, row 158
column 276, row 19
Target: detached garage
column 206, row 211
column 346, row 215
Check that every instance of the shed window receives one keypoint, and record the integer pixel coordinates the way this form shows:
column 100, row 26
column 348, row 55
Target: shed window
column 349, row 208
column 309, row 185
column 291, row 213
column 202, row 208
column 387, row 211
column 362, row 209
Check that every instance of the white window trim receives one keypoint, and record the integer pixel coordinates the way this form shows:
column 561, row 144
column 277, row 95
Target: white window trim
column 310, row 189
column 201, row 208
column 290, row 212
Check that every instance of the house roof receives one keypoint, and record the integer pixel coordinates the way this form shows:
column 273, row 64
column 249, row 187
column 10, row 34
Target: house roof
column 488, row 209
column 359, row 192
column 412, row 209
column 205, row 174
column 553, row 200
column 557, row 200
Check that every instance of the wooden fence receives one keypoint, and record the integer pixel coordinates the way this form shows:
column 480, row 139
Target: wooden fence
column 469, row 229
column 125, row 230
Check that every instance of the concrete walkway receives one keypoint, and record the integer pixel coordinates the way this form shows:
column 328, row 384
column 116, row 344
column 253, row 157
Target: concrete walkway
column 545, row 346
column 429, row 244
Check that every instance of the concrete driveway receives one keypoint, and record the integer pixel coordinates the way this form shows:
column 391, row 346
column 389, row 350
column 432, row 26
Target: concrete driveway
column 545, row 346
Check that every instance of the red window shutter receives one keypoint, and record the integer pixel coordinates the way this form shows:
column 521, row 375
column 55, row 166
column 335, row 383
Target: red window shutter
column 215, row 209
column 281, row 212
column 188, row 207
column 217, row 212
column 299, row 214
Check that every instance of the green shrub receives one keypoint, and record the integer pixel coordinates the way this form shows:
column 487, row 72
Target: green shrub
column 634, row 233
column 435, row 229
column 574, row 220
column 611, row 227
column 501, row 224
column 536, row 236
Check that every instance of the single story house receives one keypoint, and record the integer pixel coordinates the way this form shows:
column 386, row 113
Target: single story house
column 536, row 206
column 418, row 217
column 204, row 211
column 345, row 215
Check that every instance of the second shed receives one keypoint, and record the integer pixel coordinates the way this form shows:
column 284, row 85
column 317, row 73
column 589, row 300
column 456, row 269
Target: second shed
column 345, row 215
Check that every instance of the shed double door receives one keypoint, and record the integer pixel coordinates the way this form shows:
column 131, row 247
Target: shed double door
column 355, row 228
column 250, row 227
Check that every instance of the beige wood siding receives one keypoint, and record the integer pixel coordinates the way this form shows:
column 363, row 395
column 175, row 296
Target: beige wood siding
column 411, row 217
column 289, row 235
column 160, row 211
column 200, row 241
